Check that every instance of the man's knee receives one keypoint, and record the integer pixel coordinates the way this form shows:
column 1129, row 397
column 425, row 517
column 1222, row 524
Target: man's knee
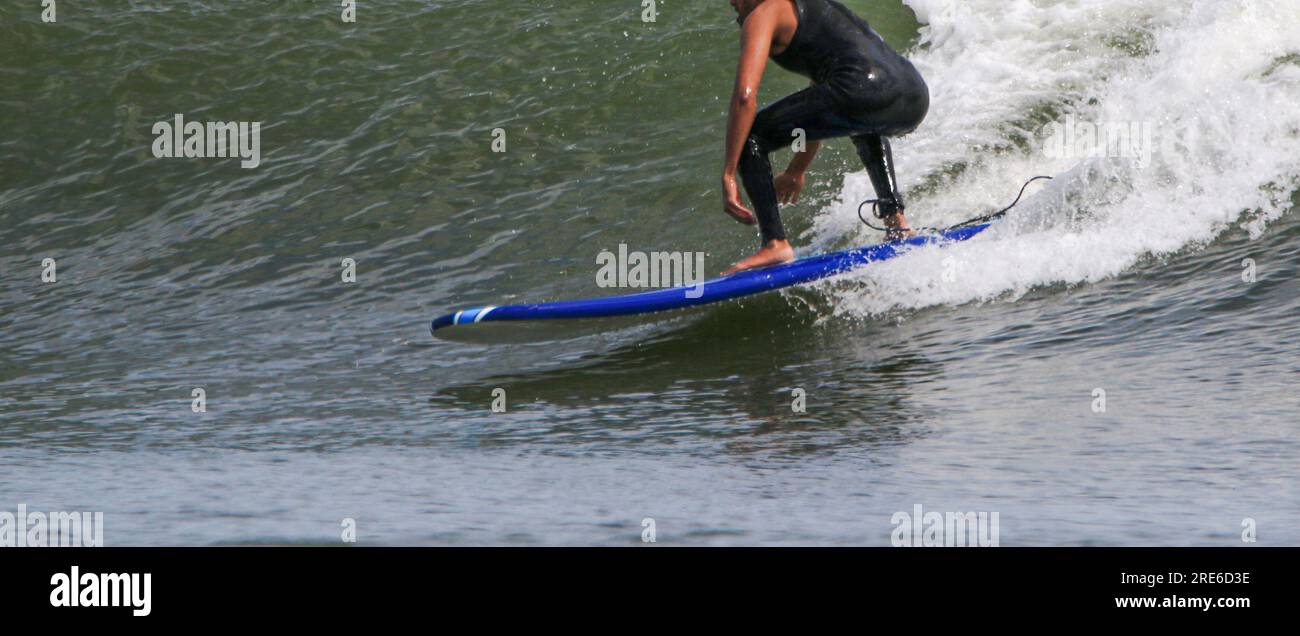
column 765, row 132
column 755, row 151
column 868, row 145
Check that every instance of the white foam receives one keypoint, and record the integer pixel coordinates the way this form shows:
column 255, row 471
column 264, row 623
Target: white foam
column 1202, row 75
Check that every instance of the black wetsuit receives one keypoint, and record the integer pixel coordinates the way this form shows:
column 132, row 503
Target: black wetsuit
column 861, row 89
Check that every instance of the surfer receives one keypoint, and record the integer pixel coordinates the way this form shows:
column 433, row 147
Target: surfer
column 860, row 89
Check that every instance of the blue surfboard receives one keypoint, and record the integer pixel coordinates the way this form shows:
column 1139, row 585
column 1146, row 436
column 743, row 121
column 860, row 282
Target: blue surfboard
column 719, row 289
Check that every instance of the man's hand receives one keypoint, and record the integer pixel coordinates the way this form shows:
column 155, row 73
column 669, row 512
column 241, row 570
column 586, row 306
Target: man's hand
column 788, row 186
column 731, row 203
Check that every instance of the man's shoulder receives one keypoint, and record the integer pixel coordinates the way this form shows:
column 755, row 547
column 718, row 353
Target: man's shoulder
column 774, row 12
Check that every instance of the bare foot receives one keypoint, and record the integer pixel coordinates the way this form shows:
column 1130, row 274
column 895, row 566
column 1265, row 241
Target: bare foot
column 774, row 253
column 898, row 229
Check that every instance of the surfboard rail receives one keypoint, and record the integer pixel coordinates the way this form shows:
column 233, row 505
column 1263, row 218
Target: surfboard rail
column 736, row 285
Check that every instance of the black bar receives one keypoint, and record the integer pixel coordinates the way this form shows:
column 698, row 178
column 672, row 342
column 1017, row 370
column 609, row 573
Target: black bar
column 359, row 582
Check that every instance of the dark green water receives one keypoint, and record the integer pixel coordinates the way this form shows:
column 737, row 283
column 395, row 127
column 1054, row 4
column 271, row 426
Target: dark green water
column 329, row 400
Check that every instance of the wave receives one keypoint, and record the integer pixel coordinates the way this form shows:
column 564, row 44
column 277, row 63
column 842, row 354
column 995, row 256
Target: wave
column 1207, row 89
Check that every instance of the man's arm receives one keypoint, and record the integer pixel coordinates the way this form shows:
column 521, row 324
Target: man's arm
column 755, row 44
column 801, row 160
column 790, row 183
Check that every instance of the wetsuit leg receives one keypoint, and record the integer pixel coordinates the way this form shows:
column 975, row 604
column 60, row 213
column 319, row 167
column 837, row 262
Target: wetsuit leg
column 878, row 157
column 810, row 110
column 756, row 173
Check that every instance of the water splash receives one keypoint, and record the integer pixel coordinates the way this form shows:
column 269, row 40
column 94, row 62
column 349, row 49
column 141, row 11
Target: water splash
column 1211, row 83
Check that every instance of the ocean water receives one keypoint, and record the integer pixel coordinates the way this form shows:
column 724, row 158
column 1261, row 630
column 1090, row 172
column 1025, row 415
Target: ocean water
column 968, row 378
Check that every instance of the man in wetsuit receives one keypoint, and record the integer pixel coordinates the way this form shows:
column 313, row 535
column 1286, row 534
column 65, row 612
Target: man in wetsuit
column 860, row 89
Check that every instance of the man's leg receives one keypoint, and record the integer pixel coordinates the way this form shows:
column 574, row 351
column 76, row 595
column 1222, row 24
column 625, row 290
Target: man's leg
column 774, row 128
column 755, row 169
column 809, row 111
column 878, row 157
